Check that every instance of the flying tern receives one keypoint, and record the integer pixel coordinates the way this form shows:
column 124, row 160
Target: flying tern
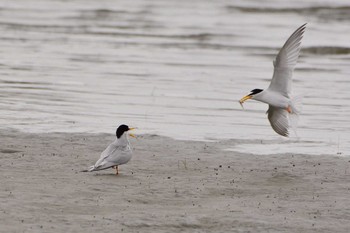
column 283, row 108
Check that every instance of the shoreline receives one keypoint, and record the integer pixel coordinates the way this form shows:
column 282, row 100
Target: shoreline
column 169, row 185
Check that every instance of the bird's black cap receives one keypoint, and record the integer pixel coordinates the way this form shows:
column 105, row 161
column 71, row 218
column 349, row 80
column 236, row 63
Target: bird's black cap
column 121, row 129
column 255, row 91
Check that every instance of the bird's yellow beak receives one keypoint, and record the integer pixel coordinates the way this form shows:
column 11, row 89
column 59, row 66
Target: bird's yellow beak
column 130, row 134
column 241, row 101
column 247, row 97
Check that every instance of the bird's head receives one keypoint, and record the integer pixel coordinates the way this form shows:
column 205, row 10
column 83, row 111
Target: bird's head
column 122, row 129
column 251, row 95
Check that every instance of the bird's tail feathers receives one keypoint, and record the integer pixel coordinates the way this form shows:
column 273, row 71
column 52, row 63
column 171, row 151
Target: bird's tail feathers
column 293, row 122
column 90, row 169
column 296, row 106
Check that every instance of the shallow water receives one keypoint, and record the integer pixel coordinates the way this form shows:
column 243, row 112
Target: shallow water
column 173, row 68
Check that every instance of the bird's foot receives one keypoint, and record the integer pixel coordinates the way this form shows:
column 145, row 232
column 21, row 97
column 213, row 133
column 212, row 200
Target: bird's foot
column 116, row 170
column 289, row 109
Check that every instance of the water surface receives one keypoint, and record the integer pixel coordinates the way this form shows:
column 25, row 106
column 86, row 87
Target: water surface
column 173, row 68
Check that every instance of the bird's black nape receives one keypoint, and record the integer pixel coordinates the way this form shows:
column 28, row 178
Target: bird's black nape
column 121, row 129
column 255, row 91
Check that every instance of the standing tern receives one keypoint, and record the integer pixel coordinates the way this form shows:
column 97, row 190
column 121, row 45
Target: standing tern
column 117, row 153
column 283, row 108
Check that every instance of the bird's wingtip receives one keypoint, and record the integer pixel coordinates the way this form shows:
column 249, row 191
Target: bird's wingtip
column 303, row 27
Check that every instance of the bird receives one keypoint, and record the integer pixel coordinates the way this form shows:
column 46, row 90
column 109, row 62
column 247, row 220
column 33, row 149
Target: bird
column 117, row 153
column 284, row 109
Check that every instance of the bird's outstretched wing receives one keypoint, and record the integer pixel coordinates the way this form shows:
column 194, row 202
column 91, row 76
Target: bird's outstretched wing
column 279, row 120
column 285, row 62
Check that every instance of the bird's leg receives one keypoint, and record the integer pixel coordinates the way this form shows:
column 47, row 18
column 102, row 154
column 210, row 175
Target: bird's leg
column 289, row 109
column 116, row 169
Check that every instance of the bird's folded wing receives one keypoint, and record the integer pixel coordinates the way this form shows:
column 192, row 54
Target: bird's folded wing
column 285, row 62
column 110, row 150
column 279, row 120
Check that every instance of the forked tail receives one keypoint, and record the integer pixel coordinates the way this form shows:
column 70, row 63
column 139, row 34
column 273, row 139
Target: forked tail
column 296, row 105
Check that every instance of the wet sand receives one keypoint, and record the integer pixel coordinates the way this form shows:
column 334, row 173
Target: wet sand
column 168, row 186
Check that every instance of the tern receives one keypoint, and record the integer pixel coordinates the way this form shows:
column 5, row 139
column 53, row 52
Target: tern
column 117, row 153
column 283, row 108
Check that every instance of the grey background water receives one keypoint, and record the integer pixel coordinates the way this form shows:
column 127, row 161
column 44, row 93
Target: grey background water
column 175, row 68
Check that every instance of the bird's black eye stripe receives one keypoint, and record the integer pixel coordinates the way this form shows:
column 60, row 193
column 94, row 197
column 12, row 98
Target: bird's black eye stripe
column 255, row 91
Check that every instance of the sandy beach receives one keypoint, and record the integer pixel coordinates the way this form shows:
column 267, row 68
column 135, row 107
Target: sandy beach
column 168, row 186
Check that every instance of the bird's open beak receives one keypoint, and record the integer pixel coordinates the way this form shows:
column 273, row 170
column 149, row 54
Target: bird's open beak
column 247, row 97
column 130, row 134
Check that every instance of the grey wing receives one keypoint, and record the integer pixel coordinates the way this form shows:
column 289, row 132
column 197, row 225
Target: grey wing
column 108, row 151
column 106, row 155
column 279, row 120
column 285, row 62
column 120, row 156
